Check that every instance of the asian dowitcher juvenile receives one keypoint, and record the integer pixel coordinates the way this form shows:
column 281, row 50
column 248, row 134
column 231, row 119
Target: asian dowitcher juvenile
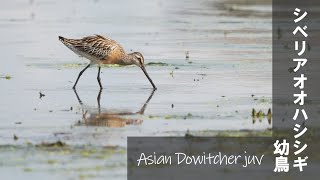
column 102, row 50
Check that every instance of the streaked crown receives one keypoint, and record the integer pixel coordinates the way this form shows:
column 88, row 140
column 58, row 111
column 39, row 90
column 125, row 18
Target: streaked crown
column 138, row 58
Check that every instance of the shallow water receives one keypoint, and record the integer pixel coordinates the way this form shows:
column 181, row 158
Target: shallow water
column 227, row 74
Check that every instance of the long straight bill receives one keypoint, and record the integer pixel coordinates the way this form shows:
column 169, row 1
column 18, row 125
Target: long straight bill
column 145, row 72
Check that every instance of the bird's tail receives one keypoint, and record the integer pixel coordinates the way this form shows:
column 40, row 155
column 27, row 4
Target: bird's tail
column 70, row 43
column 62, row 39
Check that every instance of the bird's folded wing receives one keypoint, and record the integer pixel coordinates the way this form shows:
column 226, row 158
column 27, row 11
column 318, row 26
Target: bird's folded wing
column 96, row 46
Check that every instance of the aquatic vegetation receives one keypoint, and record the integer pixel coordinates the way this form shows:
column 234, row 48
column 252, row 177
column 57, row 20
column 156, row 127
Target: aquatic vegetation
column 269, row 114
column 52, row 161
column 229, row 133
column 27, row 169
column 253, row 114
column 245, row 133
column 156, row 64
column 260, row 115
column 54, row 144
column 7, row 77
column 172, row 116
column 263, row 100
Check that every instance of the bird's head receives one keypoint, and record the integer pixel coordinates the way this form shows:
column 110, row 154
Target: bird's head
column 138, row 60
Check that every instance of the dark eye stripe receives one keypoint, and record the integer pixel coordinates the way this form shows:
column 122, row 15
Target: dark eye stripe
column 140, row 60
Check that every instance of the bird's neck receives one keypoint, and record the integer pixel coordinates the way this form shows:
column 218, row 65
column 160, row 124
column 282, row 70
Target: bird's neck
column 128, row 59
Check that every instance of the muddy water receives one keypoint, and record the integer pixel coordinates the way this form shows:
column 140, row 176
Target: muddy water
column 227, row 74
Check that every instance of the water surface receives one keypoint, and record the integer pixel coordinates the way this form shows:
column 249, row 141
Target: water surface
column 227, row 74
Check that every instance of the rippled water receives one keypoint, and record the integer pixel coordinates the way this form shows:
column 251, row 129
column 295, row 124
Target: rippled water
column 214, row 91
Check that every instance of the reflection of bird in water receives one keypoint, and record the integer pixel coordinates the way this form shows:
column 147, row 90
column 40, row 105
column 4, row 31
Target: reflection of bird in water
column 110, row 118
column 101, row 50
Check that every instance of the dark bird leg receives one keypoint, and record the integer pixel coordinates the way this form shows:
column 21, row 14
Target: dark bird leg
column 98, row 100
column 99, row 79
column 80, row 102
column 75, row 84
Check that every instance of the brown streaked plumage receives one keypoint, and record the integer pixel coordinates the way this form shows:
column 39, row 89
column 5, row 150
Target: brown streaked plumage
column 101, row 50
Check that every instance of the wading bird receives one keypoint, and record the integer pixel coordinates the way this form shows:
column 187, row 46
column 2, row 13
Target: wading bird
column 101, row 50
